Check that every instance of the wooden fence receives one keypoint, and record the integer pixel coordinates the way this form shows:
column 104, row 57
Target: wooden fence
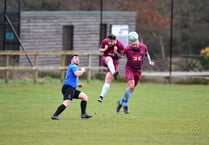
column 36, row 67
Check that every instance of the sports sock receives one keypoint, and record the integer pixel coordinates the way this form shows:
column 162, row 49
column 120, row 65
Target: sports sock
column 111, row 67
column 125, row 97
column 60, row 109
column 105, row 89
column 83, row 106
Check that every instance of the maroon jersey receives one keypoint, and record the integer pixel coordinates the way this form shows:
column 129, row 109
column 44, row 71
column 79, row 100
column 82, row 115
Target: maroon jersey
column 135, row 57
column 109, row 51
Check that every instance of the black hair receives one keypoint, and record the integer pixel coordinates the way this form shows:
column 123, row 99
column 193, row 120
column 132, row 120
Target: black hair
column 111, row 36
column 71, row 57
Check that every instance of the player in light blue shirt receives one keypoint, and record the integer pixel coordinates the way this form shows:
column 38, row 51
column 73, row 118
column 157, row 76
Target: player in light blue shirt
column 69, row 90
column 71, row 79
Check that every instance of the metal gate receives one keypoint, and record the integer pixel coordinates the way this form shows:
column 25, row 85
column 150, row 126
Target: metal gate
column 9, row 24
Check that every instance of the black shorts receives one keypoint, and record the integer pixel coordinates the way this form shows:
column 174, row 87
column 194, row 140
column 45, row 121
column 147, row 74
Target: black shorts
column 70, row 93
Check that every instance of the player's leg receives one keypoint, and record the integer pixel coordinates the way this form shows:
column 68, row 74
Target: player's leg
column 124, row 101
column 137, row 78
column 127, row 94
column 131, row 85
column 106, row 86
column 110, row 65
column 60, row 109
column 68, row 92
column 116, row 63
column 83, row 104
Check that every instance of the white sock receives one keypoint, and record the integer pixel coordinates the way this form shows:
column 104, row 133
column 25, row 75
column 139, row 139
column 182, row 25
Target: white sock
column 105, row 88
column 111, row 67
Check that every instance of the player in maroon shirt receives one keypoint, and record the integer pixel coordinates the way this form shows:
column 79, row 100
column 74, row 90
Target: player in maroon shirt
column 135, row 54
column 112, row 50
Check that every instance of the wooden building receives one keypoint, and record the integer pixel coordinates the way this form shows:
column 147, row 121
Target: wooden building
column 68, row 30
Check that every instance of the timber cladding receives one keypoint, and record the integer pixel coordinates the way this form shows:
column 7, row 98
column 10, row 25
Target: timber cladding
column 44, row 31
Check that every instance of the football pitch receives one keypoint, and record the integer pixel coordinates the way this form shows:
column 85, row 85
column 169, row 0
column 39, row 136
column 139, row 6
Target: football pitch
column 160, row 114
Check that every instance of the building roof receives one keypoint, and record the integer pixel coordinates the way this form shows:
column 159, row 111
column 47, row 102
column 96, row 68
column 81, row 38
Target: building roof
column 78, row 13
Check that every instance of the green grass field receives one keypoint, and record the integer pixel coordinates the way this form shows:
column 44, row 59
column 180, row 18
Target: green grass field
column 160, row 114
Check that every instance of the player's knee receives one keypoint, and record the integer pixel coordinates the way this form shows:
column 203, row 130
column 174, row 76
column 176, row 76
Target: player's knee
column 108, row 59
column 83, row 96
column 131, row 87
column 108, row 78
column 108, row 81
column 66, row 103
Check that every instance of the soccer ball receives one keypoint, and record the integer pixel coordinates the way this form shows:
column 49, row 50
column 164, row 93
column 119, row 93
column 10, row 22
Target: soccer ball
column 133, row 36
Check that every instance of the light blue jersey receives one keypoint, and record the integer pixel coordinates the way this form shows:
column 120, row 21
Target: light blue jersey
column 70, row 78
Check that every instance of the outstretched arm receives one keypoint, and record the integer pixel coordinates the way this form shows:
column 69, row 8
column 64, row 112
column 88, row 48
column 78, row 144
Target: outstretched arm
column 152, row 63
column 149, row 59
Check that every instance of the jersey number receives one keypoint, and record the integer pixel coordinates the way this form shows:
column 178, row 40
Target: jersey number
column 138, row 58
